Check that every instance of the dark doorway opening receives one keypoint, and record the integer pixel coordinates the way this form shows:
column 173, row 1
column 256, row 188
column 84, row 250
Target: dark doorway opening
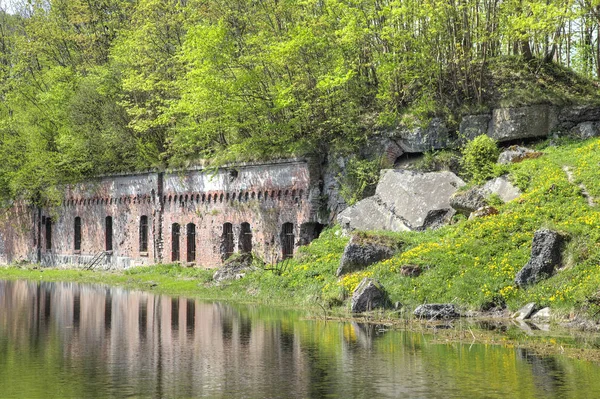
column 245, row 242
column 77, row 229
column 175, row 242
column 227, row 241
column 191, row 242
column 287, row 240
column 108, row 233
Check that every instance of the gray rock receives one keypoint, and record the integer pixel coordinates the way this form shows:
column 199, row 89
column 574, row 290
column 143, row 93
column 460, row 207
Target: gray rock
column 542, row 314
column 525, row 312
column 370, row 214
column 420, row 199
column 524, row 122
column 468, row 201
column 570, row 116
column 418, row 139
column 234, row 268
column 545, row 256
column 437, row 311
column 404, row 200
column 502, row 187
column 360, row 253
column 369, row 295
column 472, row 126
column 586, row 130
column 517, row 153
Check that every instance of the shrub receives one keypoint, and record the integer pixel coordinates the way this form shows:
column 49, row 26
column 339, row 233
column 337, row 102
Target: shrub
column 479, row 159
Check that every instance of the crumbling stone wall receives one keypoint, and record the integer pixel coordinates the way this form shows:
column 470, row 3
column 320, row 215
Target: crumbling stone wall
column 263, row 195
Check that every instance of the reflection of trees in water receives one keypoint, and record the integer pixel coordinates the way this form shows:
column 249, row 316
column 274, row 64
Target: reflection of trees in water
column 548, row 374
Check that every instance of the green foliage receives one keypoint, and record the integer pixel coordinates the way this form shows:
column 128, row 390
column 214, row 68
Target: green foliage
column 479, row 159
column 92, row 87
column 358, row 179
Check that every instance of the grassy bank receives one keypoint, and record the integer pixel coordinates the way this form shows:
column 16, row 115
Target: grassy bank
column 471, row 262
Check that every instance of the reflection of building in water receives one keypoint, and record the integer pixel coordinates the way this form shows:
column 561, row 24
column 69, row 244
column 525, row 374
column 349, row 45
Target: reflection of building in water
column 158, row 344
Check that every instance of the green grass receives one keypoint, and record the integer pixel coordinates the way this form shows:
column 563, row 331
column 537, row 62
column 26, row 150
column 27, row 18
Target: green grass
column 471, row 263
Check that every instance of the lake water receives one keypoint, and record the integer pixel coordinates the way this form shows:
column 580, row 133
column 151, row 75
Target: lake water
column 62, row 340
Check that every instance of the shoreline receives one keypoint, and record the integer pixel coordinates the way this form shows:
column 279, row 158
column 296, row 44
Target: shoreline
column 557, row 337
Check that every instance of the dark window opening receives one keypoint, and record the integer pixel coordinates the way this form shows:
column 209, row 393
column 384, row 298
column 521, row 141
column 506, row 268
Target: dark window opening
column 191, row 242
column 245, row 242
column 287, row 240
column 108, row 233
column 77, row 233
column 175, row 233
column 144, row 234
column 48, row 234
column 227, row 241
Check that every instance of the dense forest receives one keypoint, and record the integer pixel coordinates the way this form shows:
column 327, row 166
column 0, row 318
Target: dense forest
column 101, row 86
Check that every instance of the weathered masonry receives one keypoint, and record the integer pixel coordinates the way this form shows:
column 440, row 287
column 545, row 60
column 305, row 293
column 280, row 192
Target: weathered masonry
column 193, row 217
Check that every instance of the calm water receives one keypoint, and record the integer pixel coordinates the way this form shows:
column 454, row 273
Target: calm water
column 75, row 341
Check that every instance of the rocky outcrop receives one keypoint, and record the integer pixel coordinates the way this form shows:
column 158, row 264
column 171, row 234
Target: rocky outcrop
column 475, row 199
column 502, row 187
column 472, row 126
column 404, row 200
column 468, row 201
column 523, row 122
column 369, row 295
column 586, row 130
column 545, row 256
column 515, row 153
column 234, row 268
column 434, row 136
column 437, row 311
column 571, row 116
column 362, row 252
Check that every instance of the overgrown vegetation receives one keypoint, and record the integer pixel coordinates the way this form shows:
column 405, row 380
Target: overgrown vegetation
column 471, row 263
column 93, row 87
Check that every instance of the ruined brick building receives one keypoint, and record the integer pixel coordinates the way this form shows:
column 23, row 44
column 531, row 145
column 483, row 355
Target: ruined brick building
column 195, row 217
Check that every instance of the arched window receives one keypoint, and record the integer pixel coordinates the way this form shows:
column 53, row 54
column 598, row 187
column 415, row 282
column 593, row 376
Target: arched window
column 144, row 233
column 77, row 228
column 48, row 234
column 287, row 240
column 245, row 241
column 175, row 233
column 227, row 241
column 191, row 242
column 108, row 233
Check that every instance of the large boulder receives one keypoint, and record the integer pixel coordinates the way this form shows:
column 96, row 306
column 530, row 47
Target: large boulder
column 524, row 122
column 545, row 256
column 362, row 252
column 502, row 187
column 370, row 214
column 516, row 153
column 420, row 199
column 234, row 268
column 404, row 200
column 369, row 295
column 437, row 311
column 468, row 201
